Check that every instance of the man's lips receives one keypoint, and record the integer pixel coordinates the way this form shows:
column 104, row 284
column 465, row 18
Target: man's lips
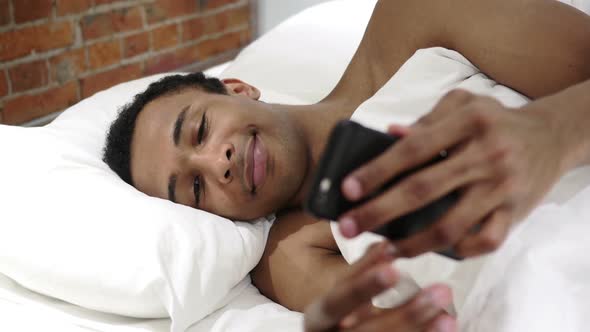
column 249, row 163
column 260, row 158
column 256, row 157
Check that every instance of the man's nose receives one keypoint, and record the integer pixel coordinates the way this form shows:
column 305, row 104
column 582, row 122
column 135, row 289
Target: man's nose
column 218, row 162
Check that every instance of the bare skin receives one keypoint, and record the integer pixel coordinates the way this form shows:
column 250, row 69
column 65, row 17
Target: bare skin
column 513, row 43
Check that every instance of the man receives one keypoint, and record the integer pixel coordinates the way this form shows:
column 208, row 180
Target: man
column 213, row 146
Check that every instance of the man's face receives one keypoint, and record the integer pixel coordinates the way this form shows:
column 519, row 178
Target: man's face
column 226, row 154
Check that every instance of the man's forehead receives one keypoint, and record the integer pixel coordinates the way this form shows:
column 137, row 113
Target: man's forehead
column 152, row 150
column 170, row 105
column 151, row 154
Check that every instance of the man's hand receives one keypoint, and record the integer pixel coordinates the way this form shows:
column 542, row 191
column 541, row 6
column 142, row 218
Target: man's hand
column 502, row 161
column 347, row 307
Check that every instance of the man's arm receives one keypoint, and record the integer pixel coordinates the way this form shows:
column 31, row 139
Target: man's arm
column 569, row 113
column 537, row 47
column 300, row 261
column 508, row 160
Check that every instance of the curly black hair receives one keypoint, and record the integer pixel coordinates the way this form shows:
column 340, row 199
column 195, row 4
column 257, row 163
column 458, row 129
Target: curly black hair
column 117, row 150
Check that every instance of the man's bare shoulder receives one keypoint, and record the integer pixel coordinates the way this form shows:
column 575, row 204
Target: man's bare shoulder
column 300, row 261
column 304, row 229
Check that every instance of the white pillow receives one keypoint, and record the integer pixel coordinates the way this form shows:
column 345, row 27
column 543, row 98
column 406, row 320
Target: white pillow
column 305, row 55
column 71, row 229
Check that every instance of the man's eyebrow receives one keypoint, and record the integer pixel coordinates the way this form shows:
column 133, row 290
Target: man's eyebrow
column 178, row 125
column 171, row 188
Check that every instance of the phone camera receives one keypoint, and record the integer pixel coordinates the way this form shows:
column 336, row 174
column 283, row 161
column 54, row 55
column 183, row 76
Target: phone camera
column 325, row 185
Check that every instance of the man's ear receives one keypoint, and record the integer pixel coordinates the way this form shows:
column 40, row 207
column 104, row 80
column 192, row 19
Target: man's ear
column 236, row 87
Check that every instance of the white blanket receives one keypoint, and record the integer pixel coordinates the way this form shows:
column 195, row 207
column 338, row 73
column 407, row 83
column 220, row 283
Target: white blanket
column 536, row 282
column 22, row 310
column 540, row 280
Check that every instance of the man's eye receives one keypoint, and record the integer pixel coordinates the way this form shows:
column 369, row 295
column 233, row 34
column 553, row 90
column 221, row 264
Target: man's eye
column 197, row 189
column 202, row 129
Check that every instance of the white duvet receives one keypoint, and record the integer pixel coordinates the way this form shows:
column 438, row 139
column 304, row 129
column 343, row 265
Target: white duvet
column 540, row 279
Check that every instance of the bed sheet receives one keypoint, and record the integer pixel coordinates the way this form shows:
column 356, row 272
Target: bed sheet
column 24, row 310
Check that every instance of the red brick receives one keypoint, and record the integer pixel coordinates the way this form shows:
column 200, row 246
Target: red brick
column 28, row 107
column 3, row 84
column 165, row 37
column 68, row 65
column 103, row 2
column 17, row 43
column 219, row 45
column 246, row 36
column 237, row 17
column 172, row 60
column 101, row 81
column 28, row 76
column 65, row 7
column 215, row 23
column 136, row 44
column 162, row 10
column 104, row 54
column 218, row 3
column 192, row 29
column 29, row 10
column 105, row 24
column 225, row 20
column 4, row 12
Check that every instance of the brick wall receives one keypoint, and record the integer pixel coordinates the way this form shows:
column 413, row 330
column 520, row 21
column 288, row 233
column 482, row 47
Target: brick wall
column 55, row 52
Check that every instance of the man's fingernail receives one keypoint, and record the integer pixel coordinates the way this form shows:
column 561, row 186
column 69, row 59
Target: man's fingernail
column 386, row 276
column 398, row 130
column 348, row 227
column 390, row 250
column 440, row 297
column 352, row 187
column 349, row 321
column 446, row 324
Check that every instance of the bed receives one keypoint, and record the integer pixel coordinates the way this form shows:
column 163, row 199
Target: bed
column 234, row 304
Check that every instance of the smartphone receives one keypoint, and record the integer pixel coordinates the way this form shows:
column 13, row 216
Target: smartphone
column 349, row 146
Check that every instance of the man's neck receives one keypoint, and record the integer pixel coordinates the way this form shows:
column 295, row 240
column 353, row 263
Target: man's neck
column 314, row 124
